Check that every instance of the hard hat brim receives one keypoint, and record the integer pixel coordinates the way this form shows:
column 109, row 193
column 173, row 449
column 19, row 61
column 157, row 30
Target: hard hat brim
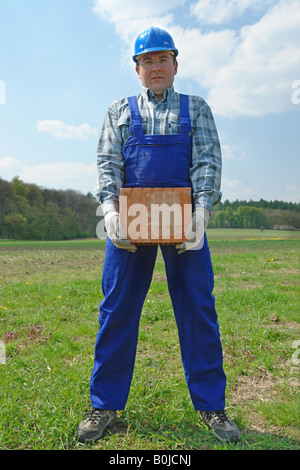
column 154, row 49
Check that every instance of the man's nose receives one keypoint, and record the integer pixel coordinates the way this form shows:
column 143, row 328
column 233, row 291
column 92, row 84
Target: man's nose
column 156, row 65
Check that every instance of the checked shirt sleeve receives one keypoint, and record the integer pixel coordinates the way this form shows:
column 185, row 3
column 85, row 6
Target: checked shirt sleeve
column 110, row 162
column 206, row 159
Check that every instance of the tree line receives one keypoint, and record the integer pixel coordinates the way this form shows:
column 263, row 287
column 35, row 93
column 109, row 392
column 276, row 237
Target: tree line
column 257, row 214
column 30, row 212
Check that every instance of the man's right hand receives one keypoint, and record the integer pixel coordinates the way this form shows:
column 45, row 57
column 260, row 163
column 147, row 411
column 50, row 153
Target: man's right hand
column 116, row 232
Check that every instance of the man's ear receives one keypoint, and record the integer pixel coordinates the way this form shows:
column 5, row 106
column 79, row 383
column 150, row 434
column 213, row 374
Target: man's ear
column 137, row 69
column 176, row 68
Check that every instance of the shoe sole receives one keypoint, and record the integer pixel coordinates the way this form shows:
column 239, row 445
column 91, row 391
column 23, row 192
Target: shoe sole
column 224, row 439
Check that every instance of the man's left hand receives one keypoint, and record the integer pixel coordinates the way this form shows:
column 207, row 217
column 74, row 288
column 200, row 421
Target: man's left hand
column 195, row 230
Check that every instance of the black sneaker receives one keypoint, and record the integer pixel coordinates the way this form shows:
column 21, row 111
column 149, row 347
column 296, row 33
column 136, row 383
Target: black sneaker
column 94, row 424
column 222, row 427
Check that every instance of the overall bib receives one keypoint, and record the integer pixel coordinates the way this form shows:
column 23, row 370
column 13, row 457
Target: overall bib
column 157, row 161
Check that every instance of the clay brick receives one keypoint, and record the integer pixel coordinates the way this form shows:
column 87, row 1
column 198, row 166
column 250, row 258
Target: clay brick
column 155, row 215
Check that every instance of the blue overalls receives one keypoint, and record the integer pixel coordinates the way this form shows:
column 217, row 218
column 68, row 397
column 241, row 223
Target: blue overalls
column 153, row 161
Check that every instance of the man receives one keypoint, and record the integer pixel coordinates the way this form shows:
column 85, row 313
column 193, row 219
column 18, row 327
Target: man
column 183, row 150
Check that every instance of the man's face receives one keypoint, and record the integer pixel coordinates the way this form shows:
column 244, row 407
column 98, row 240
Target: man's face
column 156, row 71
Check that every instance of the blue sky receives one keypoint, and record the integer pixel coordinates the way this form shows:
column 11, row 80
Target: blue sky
column 62, row 63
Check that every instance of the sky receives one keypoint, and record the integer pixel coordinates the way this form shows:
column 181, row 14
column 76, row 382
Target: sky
column 63, row 62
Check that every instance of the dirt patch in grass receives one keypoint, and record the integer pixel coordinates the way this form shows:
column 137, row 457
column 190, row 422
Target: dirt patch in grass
column 250, row 388
column 24, row 265
column 261, row 387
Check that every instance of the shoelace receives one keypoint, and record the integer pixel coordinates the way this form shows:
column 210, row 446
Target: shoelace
column 94, row 415
column 220, row 416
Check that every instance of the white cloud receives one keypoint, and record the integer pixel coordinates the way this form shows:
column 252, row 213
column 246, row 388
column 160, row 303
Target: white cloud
column 8, row 164
column 257, row 77
column 246, row 71
column 56, row 175
column 201, row 55
column 116, row 10
column 230, row 152
column 59, row 174
column 223, row 11
column 62, row 131
column 233, row 189
column 231, row 184
column 132, row 17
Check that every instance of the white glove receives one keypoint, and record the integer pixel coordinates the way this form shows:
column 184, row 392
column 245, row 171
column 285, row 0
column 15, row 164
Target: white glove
column 116, row 232
column 195, row 230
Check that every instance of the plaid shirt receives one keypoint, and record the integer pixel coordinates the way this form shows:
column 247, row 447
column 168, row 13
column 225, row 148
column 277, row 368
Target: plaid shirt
column 159, row 118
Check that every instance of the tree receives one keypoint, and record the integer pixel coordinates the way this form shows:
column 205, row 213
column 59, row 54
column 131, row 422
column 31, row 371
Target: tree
column 219, row 219
column 18, row 187
column 5, row 197
column 15, row 226
column 34, row 195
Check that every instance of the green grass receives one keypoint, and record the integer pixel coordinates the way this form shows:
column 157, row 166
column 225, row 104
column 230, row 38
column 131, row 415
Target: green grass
column 50, row 292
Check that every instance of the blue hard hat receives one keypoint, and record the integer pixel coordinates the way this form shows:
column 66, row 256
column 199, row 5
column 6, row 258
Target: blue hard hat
column 153, row 39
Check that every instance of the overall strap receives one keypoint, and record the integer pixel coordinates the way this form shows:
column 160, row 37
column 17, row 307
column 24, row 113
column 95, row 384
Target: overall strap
column 184, row 118
column 136, row 126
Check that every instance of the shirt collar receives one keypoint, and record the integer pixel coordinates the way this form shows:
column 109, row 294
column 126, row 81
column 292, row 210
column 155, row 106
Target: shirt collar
column 151, row 96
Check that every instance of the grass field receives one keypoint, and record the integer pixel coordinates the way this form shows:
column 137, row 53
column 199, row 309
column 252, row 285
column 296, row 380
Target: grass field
column 50, row 292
